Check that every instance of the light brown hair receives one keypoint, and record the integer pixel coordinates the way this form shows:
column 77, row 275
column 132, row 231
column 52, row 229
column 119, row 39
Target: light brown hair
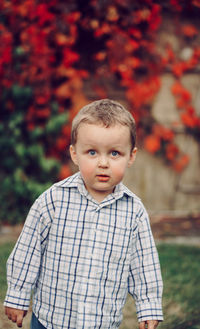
column 107, row 112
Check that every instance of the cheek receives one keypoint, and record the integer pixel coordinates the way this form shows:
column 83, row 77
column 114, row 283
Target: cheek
column 118, row 171
column 86, row 168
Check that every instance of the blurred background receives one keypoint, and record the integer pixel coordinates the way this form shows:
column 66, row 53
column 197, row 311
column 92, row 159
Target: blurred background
column 55, row 57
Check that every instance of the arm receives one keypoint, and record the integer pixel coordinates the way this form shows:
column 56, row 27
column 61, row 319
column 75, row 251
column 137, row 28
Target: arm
column 145, row 281
column 24, row 262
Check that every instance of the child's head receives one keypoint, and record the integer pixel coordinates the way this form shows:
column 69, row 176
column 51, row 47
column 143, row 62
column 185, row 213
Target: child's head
column 103, row 145
column 105, row 112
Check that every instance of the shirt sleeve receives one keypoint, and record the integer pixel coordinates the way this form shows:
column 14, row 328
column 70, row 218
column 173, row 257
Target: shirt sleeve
column 145, row 281
column 24, row 262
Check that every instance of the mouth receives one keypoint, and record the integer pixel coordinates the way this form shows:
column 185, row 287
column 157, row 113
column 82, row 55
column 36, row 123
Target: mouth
column 103, row 178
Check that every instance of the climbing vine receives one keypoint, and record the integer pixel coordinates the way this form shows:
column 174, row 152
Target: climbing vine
column 50, row 50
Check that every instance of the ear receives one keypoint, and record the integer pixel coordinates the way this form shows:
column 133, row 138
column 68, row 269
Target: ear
column 73, row 154
column 132, row 157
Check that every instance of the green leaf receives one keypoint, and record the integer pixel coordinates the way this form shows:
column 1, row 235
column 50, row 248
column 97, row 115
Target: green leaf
column 20, row 149
column 49, row 164
column 19, row 51
column 35, row 151
column 17, row 120
column 54, row 107
column 19, row 92
column 55, row 123
column 37, row 133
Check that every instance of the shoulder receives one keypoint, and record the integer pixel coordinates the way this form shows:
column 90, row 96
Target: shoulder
column 134, row 201
column 53, row 193
column 71, row 181
column 131, row 196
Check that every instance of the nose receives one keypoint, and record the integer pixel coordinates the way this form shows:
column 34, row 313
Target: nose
column 103, row 162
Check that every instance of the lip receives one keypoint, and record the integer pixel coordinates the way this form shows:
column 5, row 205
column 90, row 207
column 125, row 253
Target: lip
column 103, row 178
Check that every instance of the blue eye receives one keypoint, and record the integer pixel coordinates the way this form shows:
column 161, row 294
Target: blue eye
column 92, row 152
column 115, row 153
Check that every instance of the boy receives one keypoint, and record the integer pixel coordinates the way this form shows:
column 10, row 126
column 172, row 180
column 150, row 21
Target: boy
column 87, row 242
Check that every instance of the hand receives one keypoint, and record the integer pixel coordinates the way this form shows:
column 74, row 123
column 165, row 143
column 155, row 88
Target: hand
column 149, row 324
column 15, row 315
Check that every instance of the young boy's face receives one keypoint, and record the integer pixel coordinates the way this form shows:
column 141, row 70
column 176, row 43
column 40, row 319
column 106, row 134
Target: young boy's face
column 102, row 155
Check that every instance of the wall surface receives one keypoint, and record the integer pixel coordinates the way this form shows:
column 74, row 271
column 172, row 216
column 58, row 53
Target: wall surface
column 161, row 189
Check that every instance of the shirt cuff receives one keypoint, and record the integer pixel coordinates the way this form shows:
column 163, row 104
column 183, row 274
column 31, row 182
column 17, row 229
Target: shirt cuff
column 149, row 311
column 17, row 299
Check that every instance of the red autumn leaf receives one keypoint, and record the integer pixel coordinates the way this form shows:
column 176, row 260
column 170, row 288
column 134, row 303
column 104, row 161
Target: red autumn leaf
column 169, row 56
column 175, row 4
column 186, row 95
column 100, row 91
column 6, row 82
column 171, row 151
column 190, row 110
column 42, row 99
column 63, row 90
column 104, row 29
column 10, row 106
column 193, row 61
column 134, row 45
column 61, row 144
column 6, row 55
column 43, row 14
column 30, row 126
column 181, row 163
column 189, row 120
column 100, row 56
column 152, row 143
column 43, row 113
column 136, row 33
column 126, row 75
column 155, row 18
column 189, row 30
column 180, row 103
column 65, row 172
column 69, row 57
column 183, row 95
column 112, row 14
column 66, row 131
column 177, row 88
column 134, row 62
column 141, row 15
column 73, row 17
column 63, row 40
column 196, row 3
column 52, row 59
column 178, row 69
column 163, row 132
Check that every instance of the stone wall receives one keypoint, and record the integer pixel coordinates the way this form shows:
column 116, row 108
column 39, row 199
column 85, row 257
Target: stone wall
column 161, row 189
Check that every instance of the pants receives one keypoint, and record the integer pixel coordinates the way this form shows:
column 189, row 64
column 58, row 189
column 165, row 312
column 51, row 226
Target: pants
column 35, row 324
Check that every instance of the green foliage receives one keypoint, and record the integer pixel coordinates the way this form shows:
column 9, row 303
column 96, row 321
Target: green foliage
column 55, row 122
column 26, row 169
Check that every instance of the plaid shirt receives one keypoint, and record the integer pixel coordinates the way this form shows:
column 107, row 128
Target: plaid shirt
column 81, row 258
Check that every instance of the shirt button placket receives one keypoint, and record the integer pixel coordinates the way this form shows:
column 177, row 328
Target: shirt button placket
column 92, row 277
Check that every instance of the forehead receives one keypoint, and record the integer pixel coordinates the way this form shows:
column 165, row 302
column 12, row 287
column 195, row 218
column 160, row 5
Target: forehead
column 99, row 134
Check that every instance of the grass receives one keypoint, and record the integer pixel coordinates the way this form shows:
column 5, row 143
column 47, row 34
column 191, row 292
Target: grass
column 181, row 275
